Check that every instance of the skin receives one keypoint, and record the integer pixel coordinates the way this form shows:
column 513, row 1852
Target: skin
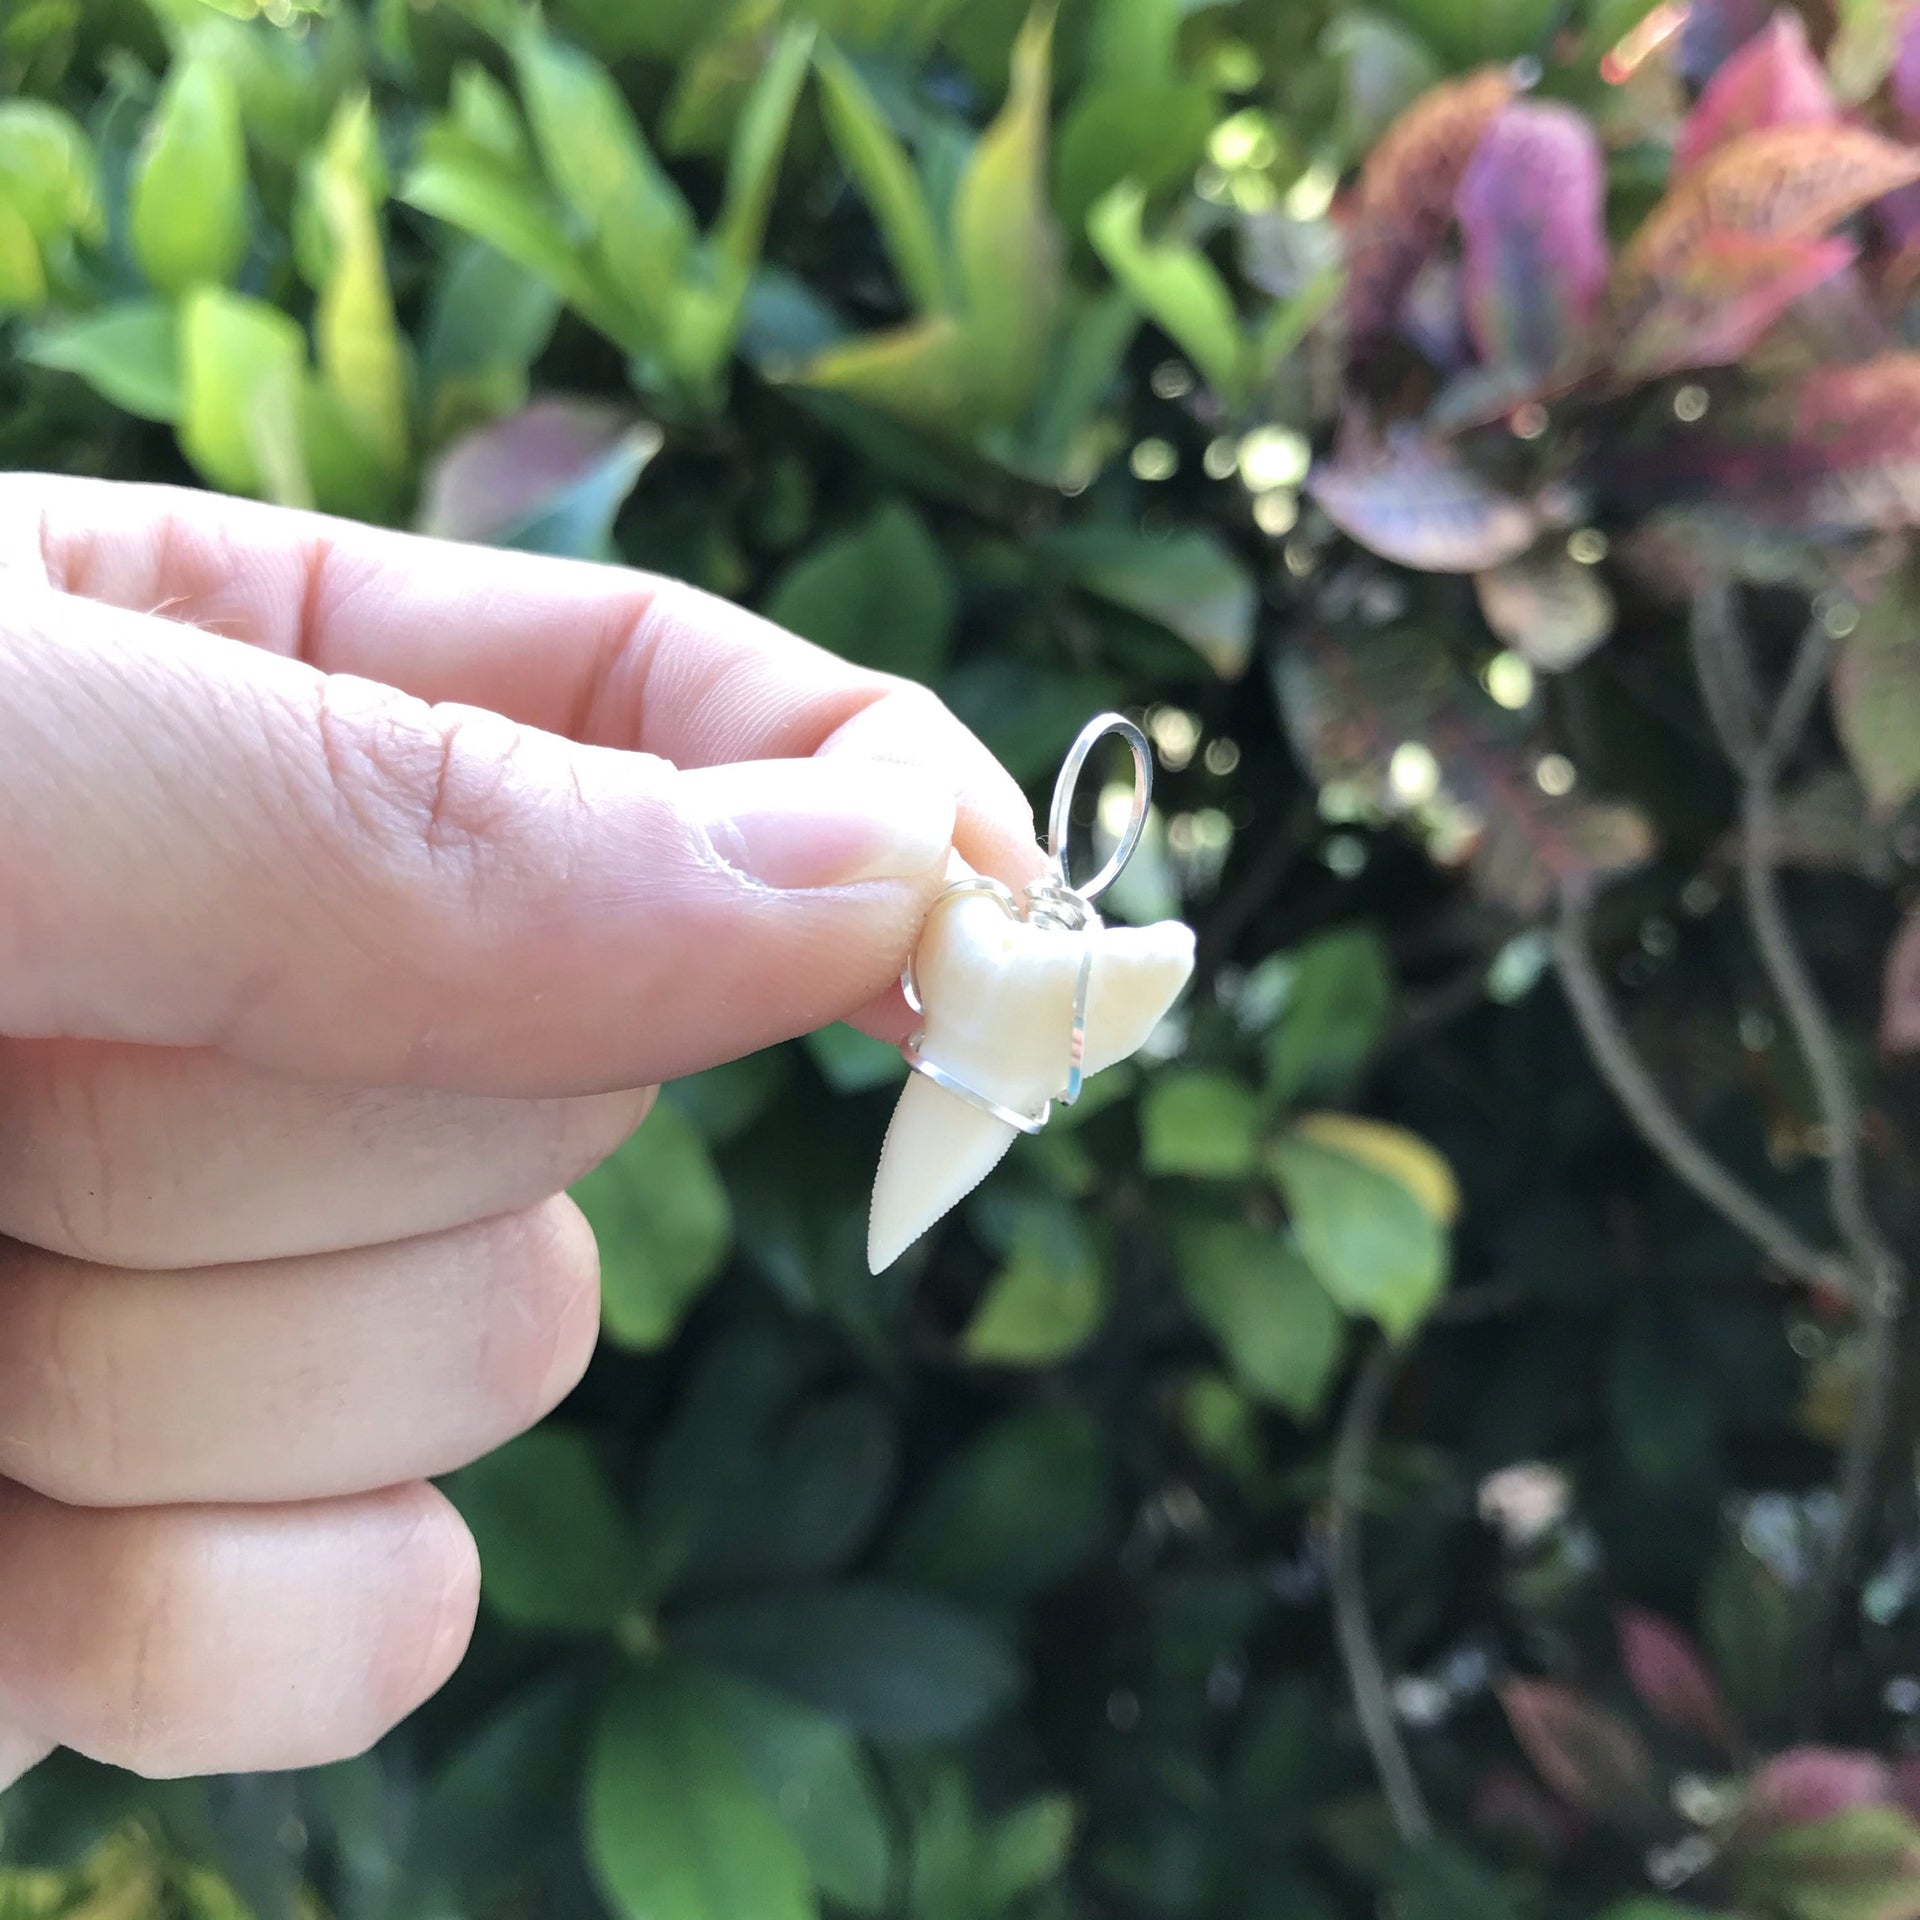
column 355, row 891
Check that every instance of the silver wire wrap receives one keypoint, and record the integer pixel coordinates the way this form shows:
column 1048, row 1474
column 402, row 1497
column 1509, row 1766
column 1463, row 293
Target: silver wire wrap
column 1052, row 901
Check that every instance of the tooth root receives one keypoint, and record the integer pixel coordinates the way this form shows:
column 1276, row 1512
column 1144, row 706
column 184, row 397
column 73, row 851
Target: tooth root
column 1138, row 973
column 938, row 1149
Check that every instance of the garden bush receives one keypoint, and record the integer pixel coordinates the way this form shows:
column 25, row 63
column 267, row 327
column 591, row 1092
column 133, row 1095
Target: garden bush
column 1430, row 1438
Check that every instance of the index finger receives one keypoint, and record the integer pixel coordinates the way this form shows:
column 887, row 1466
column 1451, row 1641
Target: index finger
column 606, row 656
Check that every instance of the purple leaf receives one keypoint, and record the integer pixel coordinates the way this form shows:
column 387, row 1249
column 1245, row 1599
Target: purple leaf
column 1508, row 1806
column 1530, row 206
column 1717, row 302
column 1859, row 426
column 1903, row 83
column 1773, row 81
column 1433, row 318
column 1349, row 699
column 1417, row 503
column 1405, row 195
column 1591, row 1758
column 1547, row 607
column 1715, row 31
column 1806, row 1784
column 552, row 476
column 1671, row 1678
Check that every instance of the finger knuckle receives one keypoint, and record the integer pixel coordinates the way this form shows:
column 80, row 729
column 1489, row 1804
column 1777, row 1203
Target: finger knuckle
column 412, row 788
column 60, row 1183
column 143, row 1706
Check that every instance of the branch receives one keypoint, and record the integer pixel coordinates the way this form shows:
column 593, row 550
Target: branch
column 1353, row 1625
column 1879, row 1288
column 1724, row 669
column 1877, row 1280
column 1661, row 1127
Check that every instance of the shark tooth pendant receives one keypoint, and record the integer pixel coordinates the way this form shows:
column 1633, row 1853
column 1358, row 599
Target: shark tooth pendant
column 1020, row 1003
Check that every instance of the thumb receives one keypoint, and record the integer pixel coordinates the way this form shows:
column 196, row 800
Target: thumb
column 205, row 844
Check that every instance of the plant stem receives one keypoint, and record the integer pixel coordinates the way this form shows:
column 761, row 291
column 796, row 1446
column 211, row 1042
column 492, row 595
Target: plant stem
column 1879, row 1280
column 1353, row 1625
column 1661, row 1127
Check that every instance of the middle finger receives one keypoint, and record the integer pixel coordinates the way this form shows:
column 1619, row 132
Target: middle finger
column 292, row 1379
column 163, row 1157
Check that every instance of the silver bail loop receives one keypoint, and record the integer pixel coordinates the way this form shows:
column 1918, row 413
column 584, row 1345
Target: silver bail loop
column 1053, row 901
column 1060, row 814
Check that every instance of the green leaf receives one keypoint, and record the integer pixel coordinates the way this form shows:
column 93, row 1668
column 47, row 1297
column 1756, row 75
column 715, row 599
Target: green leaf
column 1152, row 133
column 1649, row 1909
column 1338, row 999
column 47, row 174
column 1064, row 443
column 1011, row 1513
column 489, row 321
column 726, row 1100
column 484, row 112
column 702, row 1469
column 23, row 277
column 851, row 1061
column 1205, row 1124
column 676, row 1827
column 1135, row 42
column 943, row 1882
column 1470, row 30
column 664, row 1224
column 488, row 1816
column 556, row 1552
column 1025, row 1850
column 490, row 199
column 594, row 152
column 188, row 210
column 921, row 374
column 1418, row 1167
column 1281, row 1334
column 1005, row 249
column 711, row 84
column 1189, row 582
column 1048, row 1299
column 361, row 355
column 242, row 367
column 877, row 161
column 1368, row 1239
column 810, row 1503
column 880, row 596
column 1178, row 288
column 1863, row 1864
column 895, row 1665
column 753, row 160
column 813, row 1774
column 598, row 160
column 129, row 353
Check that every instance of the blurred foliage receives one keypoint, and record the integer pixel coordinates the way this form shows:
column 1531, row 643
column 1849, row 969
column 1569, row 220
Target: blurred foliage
column 1284, row 372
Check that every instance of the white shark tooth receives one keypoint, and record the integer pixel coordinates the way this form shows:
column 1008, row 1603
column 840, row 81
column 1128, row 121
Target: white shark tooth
column 999, row 998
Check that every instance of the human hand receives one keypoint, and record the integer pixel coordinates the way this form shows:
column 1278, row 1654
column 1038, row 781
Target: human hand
column 349, row 882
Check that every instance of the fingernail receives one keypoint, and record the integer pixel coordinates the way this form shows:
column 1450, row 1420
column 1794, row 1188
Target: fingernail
column 801, row 824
